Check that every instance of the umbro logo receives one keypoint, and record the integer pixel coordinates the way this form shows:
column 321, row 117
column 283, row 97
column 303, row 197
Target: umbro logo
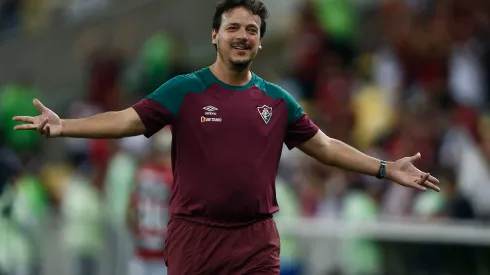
column 210, row 108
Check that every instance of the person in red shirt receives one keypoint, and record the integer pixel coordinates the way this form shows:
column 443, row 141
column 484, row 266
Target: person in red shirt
column 148, row 212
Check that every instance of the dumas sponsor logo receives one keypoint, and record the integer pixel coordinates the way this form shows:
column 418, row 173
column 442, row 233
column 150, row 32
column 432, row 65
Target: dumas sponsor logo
column 211, row 119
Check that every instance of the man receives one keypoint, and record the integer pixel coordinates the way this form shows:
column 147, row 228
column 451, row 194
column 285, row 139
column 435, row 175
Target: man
column 228, row 128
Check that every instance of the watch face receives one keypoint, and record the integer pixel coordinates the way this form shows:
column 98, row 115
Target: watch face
column 382, row 170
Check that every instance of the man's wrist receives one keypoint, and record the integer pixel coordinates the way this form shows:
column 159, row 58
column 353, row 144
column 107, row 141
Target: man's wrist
column 384, row 169
column 381, row 173
column 62, row 124
column 389, row 170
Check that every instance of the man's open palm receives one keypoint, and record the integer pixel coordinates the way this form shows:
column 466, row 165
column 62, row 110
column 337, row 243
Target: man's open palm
column 404, row 172
column 48, row 123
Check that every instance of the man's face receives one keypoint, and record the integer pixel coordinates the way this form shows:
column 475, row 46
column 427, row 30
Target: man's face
column 238, row 38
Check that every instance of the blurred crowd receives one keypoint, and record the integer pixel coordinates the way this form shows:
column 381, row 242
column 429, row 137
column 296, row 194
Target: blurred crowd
column 392, row 78
column 27, row 16
column 407, row 77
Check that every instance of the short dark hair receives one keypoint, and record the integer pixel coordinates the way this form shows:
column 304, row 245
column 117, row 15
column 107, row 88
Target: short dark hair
column 257, row 7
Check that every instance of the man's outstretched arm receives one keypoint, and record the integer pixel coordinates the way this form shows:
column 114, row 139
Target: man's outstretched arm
column 119, row 124
column 146, row 117
column 336, row 153
column 105, row 125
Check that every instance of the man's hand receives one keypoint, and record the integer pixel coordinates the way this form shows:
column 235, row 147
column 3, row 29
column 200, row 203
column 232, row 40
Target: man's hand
column 48, row 123
column 405, row 173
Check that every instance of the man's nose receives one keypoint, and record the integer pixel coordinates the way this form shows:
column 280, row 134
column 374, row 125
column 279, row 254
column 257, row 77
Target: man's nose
column 242, row 33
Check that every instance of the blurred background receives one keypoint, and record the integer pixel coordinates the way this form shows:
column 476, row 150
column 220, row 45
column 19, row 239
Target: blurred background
column 392, row 78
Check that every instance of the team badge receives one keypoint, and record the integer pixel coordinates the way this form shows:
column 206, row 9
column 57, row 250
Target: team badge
column 265, row 112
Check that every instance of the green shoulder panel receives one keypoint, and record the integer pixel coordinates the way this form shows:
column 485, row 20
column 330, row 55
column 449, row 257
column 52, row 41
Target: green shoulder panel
column 275, row 91
column 171, row 94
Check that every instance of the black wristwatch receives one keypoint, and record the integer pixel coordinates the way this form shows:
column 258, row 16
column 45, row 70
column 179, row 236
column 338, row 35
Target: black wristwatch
column 382, row 170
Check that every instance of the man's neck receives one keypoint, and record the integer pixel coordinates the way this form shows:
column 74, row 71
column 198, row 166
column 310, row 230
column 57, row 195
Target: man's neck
column 230, row 76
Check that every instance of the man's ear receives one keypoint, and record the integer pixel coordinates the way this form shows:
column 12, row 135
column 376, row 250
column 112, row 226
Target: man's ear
column 214, row 34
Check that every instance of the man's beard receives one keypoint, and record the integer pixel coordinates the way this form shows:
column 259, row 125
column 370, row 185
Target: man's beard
column 240, row 65
column 235, row 65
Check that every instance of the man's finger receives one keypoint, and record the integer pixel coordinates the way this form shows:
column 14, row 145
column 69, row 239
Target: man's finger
column 23, row 119
column 415, row 157
column 39, row 105
column 423, row 179
column 40, row 127
column 46, row 130
column 432, row 186
column 25, row 127
column 433, row 180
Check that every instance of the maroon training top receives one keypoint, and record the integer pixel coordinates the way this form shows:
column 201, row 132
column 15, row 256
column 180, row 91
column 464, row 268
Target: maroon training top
column 227, row 142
